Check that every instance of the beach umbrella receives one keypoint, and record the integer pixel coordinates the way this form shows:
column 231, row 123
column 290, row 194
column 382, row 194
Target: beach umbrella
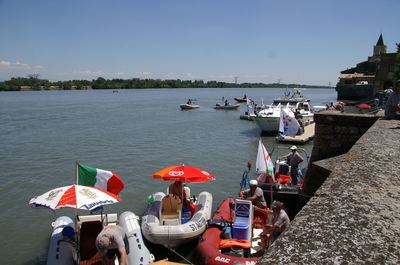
column 183, row 173
column 75, row 196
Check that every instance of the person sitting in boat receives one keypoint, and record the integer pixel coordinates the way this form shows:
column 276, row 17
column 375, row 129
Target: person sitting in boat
column 189, row 102
column 299, row 119
column 255, row 194
column 177, row 188
column 110, row 243
column 293, row 159
column 278, row 221
column 226, row 102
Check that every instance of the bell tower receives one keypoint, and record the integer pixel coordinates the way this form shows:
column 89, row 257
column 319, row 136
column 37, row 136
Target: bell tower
column 380, row 47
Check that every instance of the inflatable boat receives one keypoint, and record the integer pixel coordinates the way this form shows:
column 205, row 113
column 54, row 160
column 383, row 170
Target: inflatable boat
column 232, row 235
column 166, row 223
column 74, row 242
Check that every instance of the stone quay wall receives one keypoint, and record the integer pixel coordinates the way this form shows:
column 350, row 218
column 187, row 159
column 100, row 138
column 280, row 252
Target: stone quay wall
column 354, row 216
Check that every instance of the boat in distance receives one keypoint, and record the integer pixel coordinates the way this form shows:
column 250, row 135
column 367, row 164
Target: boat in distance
column 227, row 107
column 187, row 106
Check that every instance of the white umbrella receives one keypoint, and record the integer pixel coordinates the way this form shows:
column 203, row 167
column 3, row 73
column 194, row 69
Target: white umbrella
column 75, row 196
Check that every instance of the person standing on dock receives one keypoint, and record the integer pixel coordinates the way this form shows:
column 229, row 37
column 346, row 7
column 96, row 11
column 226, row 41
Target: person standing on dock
column 294, row 159
column 392, row 107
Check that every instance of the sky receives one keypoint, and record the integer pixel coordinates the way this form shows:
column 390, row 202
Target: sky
column 268, row 41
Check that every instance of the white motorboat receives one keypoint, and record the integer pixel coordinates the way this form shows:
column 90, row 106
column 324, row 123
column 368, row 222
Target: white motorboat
column 187, row 106
column 268, row 118
column 166, row 223
column 74, row 242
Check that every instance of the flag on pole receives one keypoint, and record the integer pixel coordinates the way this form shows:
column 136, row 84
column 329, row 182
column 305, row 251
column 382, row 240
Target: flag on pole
column 102, row 179
column 264, row 162
column 288, row 125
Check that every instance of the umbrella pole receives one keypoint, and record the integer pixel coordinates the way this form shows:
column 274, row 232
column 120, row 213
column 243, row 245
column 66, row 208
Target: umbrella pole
column 76, row 172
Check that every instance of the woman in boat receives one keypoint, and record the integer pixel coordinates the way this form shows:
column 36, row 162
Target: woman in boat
column 177, row 188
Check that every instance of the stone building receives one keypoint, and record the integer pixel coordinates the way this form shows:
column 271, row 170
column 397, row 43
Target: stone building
column 368, row 77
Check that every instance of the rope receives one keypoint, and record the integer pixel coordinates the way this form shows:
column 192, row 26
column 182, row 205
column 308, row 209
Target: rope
column 182, row 257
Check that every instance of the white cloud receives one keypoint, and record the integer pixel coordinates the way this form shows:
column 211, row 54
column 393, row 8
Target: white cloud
column 97, row 73
column 7, row 65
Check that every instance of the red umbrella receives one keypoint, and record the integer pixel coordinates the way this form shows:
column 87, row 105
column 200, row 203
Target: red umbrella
column 363, row 106
column 183, row 173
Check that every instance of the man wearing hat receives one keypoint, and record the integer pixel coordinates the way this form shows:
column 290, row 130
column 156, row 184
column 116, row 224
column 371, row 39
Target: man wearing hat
column 110, row 243
column 293, row 159
column 392, row 106
column 255, row 194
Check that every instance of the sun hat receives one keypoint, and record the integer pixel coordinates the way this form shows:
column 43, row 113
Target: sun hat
column 253, row 182
column 293, row 147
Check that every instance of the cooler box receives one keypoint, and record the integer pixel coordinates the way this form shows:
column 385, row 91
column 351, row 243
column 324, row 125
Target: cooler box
column 240, row 231
column 186, row 216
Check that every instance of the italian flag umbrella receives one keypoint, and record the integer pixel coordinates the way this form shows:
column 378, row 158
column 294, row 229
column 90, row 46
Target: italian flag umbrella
column 75, row 196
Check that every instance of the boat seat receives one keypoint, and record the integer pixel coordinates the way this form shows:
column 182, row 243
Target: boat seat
column 87, row 239
column 171, row 208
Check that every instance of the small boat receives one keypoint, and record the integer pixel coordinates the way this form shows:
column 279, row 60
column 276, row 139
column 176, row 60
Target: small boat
column 74, row 243
column 227, row 107
column 233, row 234
column 241, row 100
column 187, row 106
column 280, row 186
column 166, row 223
column 268, row 118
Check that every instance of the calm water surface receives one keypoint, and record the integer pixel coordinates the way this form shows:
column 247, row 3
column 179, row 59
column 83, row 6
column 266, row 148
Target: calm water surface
column 133, row 132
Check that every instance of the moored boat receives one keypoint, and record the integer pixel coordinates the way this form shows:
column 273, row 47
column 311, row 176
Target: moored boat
column 166, row 223
column 268, row 118
column 74, row 242
column 233, row 234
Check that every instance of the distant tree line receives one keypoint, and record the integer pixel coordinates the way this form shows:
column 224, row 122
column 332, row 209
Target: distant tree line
column 33, row 82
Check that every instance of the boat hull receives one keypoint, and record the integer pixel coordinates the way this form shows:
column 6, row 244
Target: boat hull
column 64, row 250
column 208, row 248
column 228, row 107
column 241, row 100
column 173, row 236
column 270, row 124
column 138, row 252
column 189, row 106
column 60, row 252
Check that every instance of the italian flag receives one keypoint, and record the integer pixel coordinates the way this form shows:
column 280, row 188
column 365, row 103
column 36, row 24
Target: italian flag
column 99, row 178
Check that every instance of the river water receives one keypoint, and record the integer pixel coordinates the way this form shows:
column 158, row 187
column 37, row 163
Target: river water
column 132, row 132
